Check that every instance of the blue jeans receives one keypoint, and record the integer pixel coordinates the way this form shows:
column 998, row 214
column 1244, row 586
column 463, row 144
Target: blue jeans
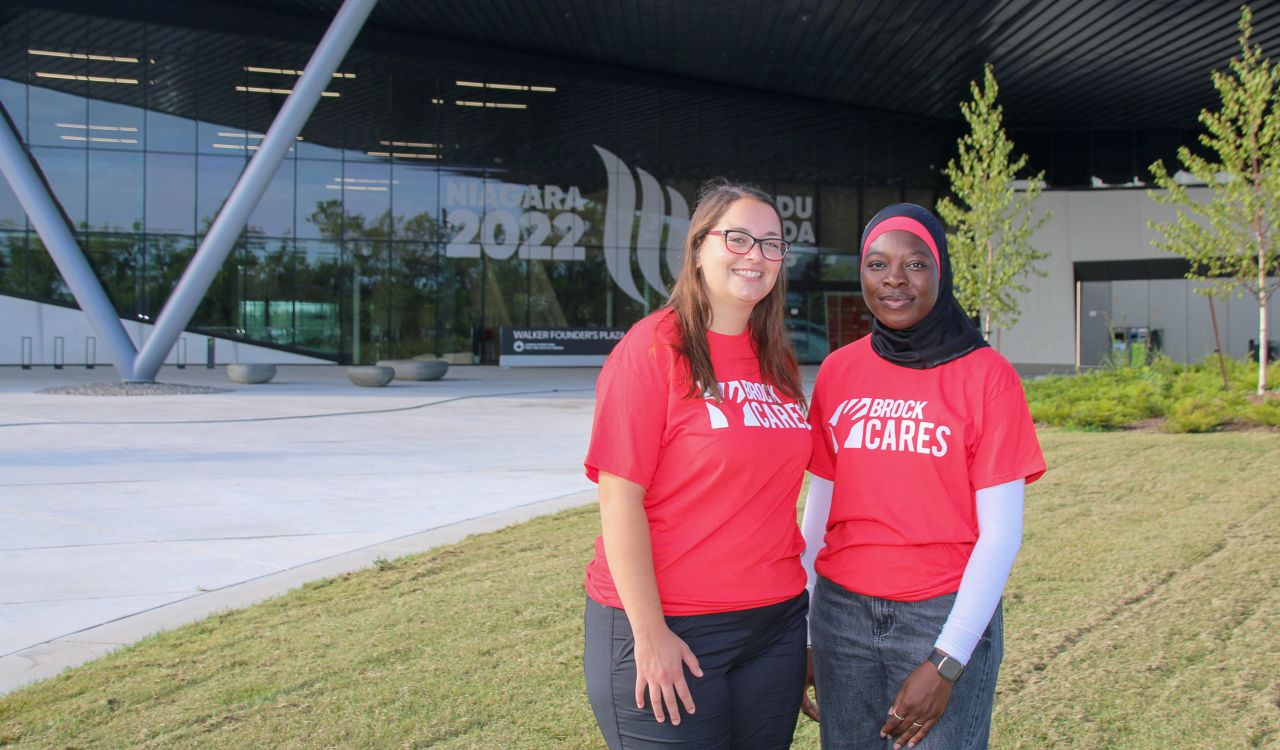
column 863, row 649
column 748, row 698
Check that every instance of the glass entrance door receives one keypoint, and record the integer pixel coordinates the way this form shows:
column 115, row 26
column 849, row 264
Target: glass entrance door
column 822, row 321
column 848, row 318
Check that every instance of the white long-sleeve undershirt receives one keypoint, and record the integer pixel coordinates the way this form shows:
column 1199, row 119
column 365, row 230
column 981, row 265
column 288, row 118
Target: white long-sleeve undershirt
column 817, row 508
column 999, row 510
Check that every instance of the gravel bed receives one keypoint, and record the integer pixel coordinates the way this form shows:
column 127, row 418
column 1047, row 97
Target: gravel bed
column 121, row 388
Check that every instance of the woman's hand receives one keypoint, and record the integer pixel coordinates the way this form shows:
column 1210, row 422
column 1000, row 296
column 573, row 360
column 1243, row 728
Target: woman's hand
column 918, row 706
column 661, row 655
column 660, row 662
column 807, row 705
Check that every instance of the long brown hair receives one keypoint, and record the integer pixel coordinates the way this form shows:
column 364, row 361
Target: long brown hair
column 689, row 300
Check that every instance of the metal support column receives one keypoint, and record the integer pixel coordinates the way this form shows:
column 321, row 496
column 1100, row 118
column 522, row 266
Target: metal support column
column 51, row 225
column 257, row 176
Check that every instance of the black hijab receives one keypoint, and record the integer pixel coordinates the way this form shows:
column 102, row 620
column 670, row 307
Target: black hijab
column 946, row 333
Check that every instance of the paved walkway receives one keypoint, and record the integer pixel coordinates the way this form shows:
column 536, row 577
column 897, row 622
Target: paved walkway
column 121, row 516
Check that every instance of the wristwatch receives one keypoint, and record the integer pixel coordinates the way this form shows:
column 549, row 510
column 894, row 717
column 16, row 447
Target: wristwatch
column 948, row 668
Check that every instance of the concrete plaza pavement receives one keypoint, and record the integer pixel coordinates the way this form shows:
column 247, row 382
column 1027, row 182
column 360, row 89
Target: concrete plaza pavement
column 121, row 516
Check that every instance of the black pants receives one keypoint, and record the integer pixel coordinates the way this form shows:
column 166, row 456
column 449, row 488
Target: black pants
column 753, row 665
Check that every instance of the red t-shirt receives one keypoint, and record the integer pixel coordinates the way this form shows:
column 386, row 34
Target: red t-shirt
column 906, row 450
column 721, row 479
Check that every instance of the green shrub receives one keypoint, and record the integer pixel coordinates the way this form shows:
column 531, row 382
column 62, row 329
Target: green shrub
column 1190, row 397
column 1195, row 414
column 1265, row 413
column 1101, row 399
column 1195, row 381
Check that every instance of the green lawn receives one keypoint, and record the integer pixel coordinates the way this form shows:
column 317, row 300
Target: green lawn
column 1143, row 613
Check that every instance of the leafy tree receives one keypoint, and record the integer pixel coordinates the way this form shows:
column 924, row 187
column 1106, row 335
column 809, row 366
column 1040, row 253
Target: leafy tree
column 990, row 220
column 1230, row 239
column 32, row 270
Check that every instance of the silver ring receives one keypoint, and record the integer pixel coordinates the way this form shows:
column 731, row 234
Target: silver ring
column 916, row 724
column 894, row 714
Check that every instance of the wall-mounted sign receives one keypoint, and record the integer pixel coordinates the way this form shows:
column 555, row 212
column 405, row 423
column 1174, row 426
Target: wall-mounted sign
column 797, row 219
column 640, row 219
column 556, row 347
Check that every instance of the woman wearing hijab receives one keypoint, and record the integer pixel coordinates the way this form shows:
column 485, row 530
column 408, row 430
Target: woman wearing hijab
column 696, row 603
column 923, row 444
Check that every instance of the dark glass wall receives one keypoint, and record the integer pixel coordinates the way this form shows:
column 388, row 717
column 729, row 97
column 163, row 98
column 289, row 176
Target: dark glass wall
column 430, row 199
column 1101, row 158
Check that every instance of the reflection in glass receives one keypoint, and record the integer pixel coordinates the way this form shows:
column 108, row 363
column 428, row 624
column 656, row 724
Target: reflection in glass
column 506, row 296
column 167, row 257
column 115, row 191
column 801, row 265
column 371, row 301
column 171, row 193
column 461, row 301
column 215, row 176
column 13, row 95
column 806, row 326
column 273, row 216
column 167, row 76
column 36, row 275
column 588, row 293
column 113, row 126
column 365, row 191
column 57, row 118
column 267, row 310
column 219, row 310
column 12, row 244
column 212, row 81
column 319, row 209
column 64, row 170
column 397, row 299
column 12, row 215
column 306, row 149
column 119, row 262
column 414, row 202
column 317, row 286
column 840, row 268
column 170, row 133
column 545, row 306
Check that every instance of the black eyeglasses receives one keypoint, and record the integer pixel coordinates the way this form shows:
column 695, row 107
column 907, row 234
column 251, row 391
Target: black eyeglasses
column 740, row 243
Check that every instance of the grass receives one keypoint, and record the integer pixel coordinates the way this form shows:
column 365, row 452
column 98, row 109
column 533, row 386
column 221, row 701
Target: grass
column 1142, row 613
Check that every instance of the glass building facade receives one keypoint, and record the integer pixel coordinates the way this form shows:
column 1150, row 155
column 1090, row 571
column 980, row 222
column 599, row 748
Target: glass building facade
column 436, row 194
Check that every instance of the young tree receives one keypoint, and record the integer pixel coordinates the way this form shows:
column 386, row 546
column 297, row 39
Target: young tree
column 990, row 220
column 1230, row 239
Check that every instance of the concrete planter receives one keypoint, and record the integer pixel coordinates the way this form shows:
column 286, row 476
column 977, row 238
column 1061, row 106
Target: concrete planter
column 370, row 376
column 416, row 369
column 250, row 374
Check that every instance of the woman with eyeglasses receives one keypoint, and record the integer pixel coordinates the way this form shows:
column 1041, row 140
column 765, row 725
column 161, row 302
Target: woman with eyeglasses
column 696, row 601
column 923, row 444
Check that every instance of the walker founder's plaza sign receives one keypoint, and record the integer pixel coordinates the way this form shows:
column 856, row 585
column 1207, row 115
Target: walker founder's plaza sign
column 556, row 346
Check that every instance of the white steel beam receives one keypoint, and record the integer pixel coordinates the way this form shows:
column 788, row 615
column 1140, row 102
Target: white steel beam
column 42, row 208
column 257, row 176
column 53, row 228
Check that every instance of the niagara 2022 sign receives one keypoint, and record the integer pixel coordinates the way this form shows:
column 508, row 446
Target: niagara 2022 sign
column 545, row 222
column 516, row 221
